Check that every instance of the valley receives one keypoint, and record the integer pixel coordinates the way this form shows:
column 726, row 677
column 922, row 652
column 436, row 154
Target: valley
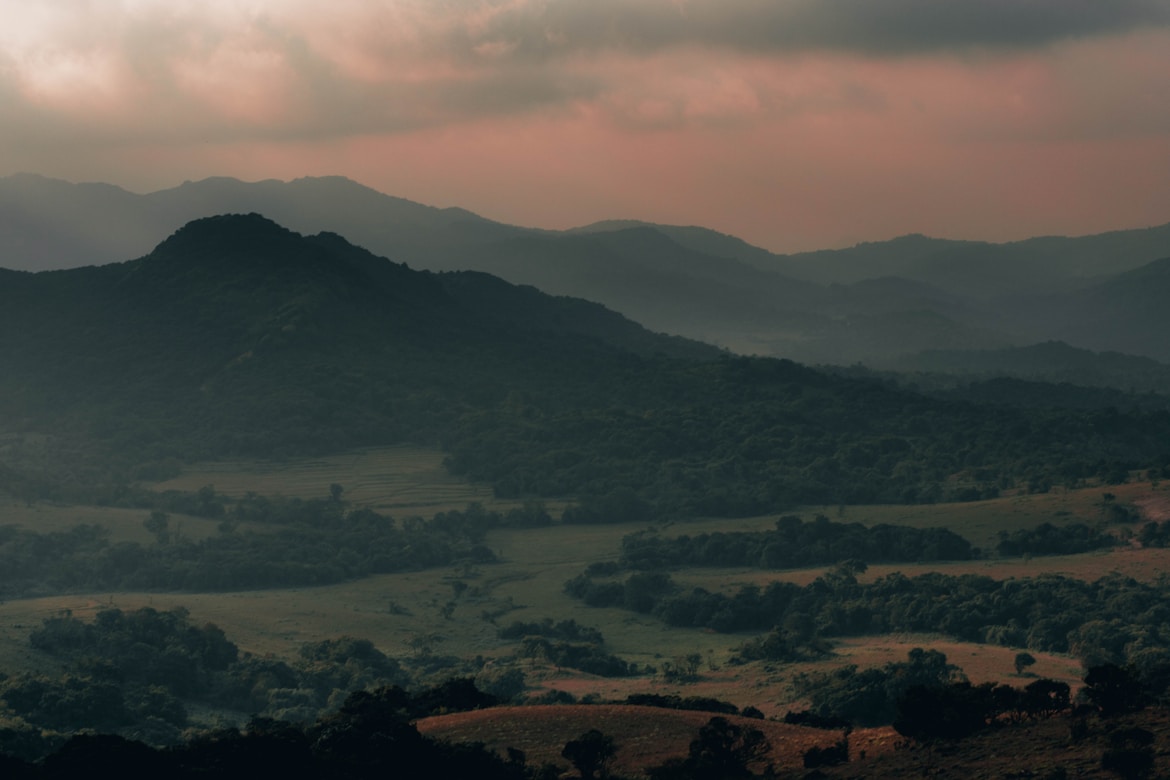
column 526, row 582
column 316, row 480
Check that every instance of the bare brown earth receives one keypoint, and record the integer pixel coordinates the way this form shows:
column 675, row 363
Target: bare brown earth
column 1154, row 508
column 1043, row 749
column 646, row 737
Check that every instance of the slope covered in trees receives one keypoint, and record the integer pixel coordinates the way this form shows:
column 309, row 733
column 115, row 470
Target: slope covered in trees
column 236, row 336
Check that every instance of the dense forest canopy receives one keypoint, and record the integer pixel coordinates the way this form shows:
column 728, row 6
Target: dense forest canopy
column 236, row 336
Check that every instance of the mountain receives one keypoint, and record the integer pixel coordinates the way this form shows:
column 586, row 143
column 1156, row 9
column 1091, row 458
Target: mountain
column 232, row 306
column 975, row 268
column 870, row 303
column 1128, row 312
column 237, row 336
column 50, row 224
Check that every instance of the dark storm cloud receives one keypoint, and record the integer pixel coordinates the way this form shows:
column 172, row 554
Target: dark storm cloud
column 540, row 30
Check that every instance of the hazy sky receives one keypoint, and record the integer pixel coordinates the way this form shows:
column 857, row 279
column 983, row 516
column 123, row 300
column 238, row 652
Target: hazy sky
column 795, row 124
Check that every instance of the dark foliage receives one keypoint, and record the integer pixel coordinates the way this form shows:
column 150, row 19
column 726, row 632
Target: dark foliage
column 1114, row 690
column 815, row 721
column 795, row 543
column 837, row 753
column 1113, row 620
column 1155, row 534
column 590, row 754
column 722, row 751
column 316, row 542
column 569, row 630
column 675, row 702
column 134, row 671
column 1047, row 539
column 585, row 656
column 370, row 737
column 869, row 697
column 943, row 712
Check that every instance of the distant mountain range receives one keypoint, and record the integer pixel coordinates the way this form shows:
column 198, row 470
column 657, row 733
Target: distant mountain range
column 875, row 303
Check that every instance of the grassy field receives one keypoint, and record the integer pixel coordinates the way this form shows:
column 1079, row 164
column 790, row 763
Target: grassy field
column 401, row 613
column 124, row 525
column 978, row 521
column 398, row 480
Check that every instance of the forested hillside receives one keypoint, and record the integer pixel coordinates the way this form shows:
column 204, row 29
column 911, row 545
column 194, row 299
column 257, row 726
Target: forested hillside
column 236, row 336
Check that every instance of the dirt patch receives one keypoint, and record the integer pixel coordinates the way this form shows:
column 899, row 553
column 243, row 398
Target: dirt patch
column 645, row 736
column 1155, row 509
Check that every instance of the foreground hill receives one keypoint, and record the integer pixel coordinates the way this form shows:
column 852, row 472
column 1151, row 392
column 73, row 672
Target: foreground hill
column 644, row 736
column 237, row 336
column 872, row 302
column 1063, row 746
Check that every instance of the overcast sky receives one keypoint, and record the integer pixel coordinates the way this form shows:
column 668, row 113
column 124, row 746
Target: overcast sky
column 795, row 124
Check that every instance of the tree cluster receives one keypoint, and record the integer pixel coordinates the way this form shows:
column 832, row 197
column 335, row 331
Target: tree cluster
column 1047, row 539
column 136, row 672
column 370, row 736
column 1115, row 619
column 795, row 543
column 315, row 542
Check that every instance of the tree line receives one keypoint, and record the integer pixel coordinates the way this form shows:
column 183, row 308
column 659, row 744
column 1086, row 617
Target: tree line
column 1115, row 619
column 795, row 543
column 312, row 543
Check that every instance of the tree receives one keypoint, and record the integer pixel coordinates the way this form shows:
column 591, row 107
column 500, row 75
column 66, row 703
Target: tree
column 723, row 750
column 1114, row 689
column 1023, row 661
column 590, row 753
column 1044, row 698
column 952, row 712
column 157, row 524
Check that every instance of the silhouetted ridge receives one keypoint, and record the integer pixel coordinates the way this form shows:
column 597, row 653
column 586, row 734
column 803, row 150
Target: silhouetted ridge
column 232, row 240
column 250, row 263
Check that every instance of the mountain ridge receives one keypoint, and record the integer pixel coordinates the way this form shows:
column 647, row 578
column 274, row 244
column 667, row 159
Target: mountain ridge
column 834, row 306
column 237, row 336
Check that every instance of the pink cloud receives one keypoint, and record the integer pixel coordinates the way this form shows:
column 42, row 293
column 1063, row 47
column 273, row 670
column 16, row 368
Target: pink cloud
column 791, row 147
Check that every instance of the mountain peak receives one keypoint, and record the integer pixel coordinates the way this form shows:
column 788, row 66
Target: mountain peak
column 234, row 234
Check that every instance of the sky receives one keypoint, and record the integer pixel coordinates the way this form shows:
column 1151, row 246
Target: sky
column 794, row 124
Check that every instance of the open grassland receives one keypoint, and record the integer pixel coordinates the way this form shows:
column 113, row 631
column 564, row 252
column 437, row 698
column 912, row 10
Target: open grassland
column 1145, row 565
column 403, row 614
column 124, row 525
column 980, row 522
column 399, row 480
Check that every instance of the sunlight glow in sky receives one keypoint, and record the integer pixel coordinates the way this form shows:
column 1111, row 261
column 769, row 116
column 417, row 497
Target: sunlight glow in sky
column 795, row 124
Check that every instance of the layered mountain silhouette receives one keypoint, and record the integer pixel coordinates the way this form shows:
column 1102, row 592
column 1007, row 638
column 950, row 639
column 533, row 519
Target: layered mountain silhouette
column 873, row 303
